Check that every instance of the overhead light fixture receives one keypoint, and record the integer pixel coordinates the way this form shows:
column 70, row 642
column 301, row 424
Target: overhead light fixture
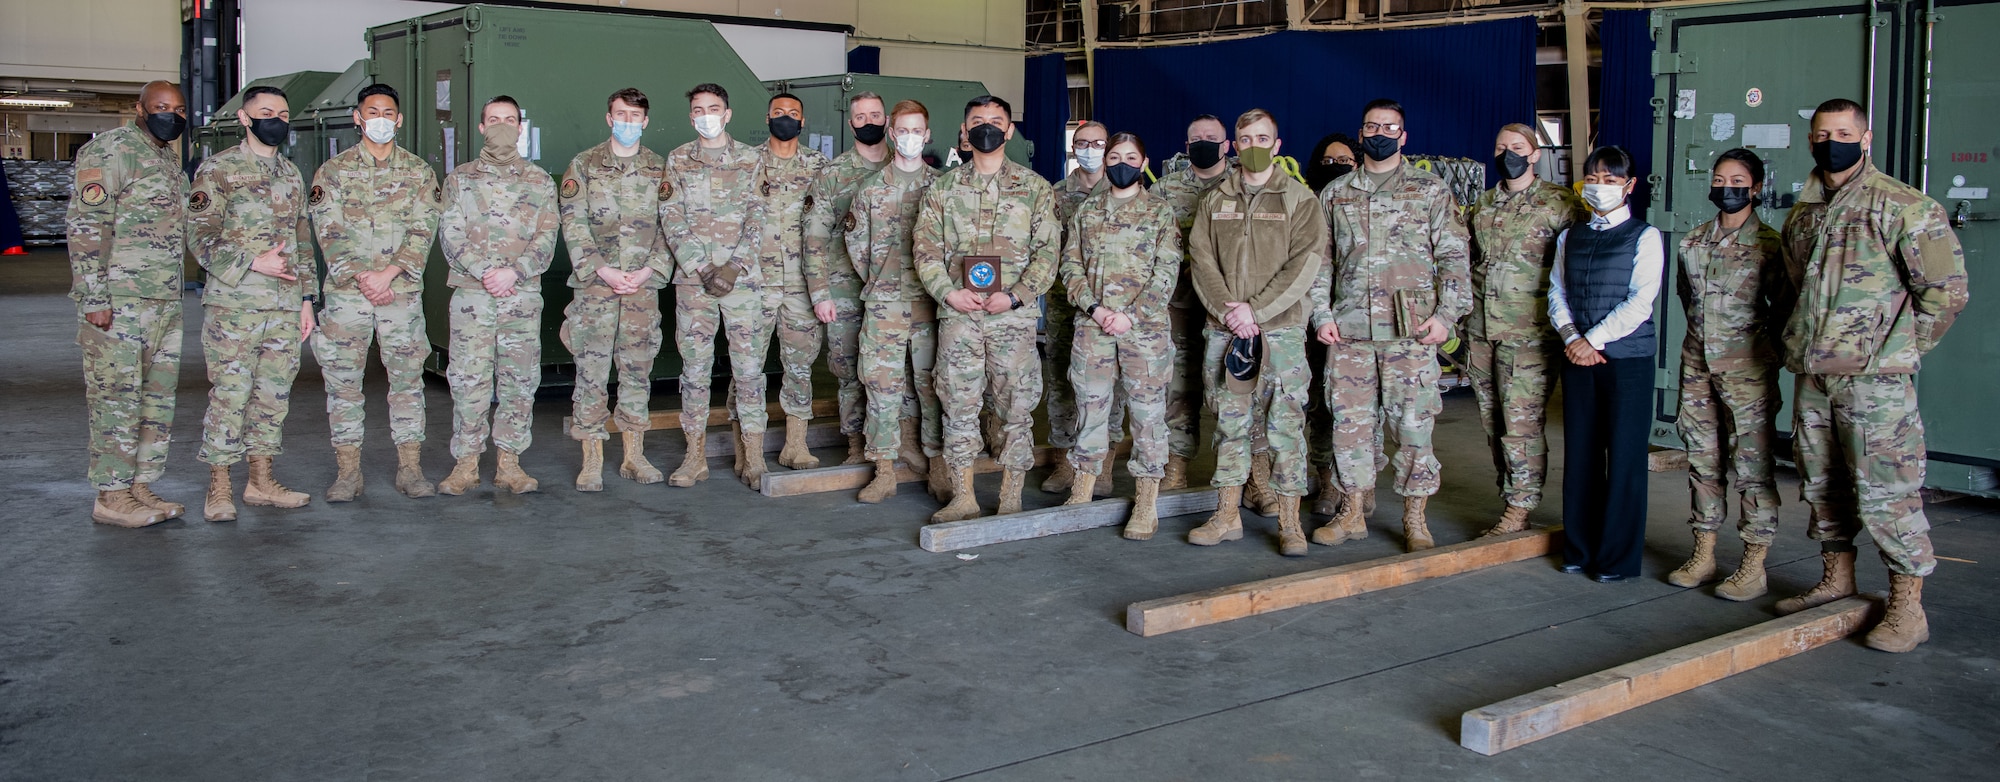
column 24, row 102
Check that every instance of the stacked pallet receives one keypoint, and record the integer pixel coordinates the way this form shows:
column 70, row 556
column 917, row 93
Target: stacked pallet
column 40, row 195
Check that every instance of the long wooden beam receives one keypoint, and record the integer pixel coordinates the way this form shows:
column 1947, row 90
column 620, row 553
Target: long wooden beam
column 792, row 483
column 720, row 443
column 987, row 530
column 1166, row 615
column 1547, row 712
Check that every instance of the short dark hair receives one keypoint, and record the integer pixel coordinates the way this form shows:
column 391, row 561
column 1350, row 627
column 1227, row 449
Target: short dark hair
column 1748, row 159
column 1122, row 137
column 632, row 97
column 785, row 96
column 1207, row 118
column 989, row 100
column 260, row 90
column 712, row 89
column 373, row 90
column 1385, row 103
column 1330, row 139
column 1842, row 106
column 1613, row 160
column 507, row 99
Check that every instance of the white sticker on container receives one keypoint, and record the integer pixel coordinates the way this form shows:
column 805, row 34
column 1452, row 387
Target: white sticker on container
column 1767, row 136
column 450, row 148
column 1722, row 127
column 1684, row 105
column 1805, row 113
column 1967, row 193
column 1958, row 180
column 1798, row 186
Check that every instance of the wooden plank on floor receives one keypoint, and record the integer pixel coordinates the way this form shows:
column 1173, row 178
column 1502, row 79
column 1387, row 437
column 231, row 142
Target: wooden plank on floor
column 1543, row 713
column 847, row 477
column 987, row 530
column 1166, row 615
column 670, row 420
column 719, row 443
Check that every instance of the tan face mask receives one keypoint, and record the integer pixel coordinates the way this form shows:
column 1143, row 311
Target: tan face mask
column 501, row 140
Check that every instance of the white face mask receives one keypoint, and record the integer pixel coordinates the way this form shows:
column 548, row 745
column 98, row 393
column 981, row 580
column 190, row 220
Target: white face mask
column 380, row 130
column 708, row 125
column 1089, row 159
column 1604, row 198
column 910, row 146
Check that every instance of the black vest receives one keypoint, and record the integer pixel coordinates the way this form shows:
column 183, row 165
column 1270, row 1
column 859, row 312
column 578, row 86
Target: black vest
column 1597, row 276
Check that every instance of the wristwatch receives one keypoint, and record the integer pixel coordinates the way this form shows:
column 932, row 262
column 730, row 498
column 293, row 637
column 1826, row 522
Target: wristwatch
column 310, row 298
column 1017, row 300
column 1092, row 312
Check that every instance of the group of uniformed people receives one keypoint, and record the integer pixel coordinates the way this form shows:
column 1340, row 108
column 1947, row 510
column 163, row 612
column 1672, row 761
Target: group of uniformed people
column 1200, row 292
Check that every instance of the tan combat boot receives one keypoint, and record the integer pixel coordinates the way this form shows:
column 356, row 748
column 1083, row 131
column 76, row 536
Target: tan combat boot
column 1345, row 524
column 591, row 476
column 736, row 448
column 1080, row 488
column 911, row 448
column 410, row 478
column 751, row 445
column 694, row 464
column 1838, row 582
column 218, row 506
column 347, row 476
column 883, row 485
column 795, row 454
column 1176, row 474
column 463, row 477
column 1145, row 518
column 1061, row 479
column 1513, row 519
column 508, row 475
column 1011, row 484
column 1257, row 494
column 633, row 465
column 1903, row 623
column 963, row 504
column 264, row 488
column 993, row 431
column 1700, row 568
column 120, row 509
column 1416, row 529
column 939, row 480
column 1291, row 537
column 143, row 492
column 1328, row 503
column 1226, row 524
column 1747, row 583
column 857, row 450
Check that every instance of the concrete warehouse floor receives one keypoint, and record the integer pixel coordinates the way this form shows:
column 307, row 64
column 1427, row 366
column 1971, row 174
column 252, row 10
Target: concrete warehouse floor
column 658, row 633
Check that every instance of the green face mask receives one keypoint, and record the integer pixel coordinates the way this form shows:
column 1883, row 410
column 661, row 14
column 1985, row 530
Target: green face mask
column 1254, row 159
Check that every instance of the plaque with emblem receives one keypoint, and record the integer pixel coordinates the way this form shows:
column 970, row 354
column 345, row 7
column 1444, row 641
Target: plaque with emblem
column 980, row 273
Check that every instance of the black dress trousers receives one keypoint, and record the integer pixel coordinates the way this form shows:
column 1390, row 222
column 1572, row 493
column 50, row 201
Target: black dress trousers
column 1605, row 418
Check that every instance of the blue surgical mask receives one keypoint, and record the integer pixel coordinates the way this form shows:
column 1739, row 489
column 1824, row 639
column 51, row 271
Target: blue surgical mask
column 626, row 133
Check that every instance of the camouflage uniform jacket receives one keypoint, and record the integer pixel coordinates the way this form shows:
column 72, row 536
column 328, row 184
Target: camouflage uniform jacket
column 611, row 215
column 1731, row 285
column 828, row 271
column 1010, row 214
column 1513, row 248
column 243, row 205
column 878, row 233
column 1878, row 272
column 712, row 209
column 372, row 214
column 1401, row 237
column 788, row 199
column 498, row 215
column 1265, row 248
column 126, row 229
column 1125, row 254
column 1070, row 193
column 1182, row 190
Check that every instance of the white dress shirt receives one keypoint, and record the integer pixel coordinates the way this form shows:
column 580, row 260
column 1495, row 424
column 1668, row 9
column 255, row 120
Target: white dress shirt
column 1647, row 266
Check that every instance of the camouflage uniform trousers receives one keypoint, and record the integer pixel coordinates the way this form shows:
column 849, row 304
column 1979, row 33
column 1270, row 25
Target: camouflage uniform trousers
column 496, row 362
column 799, row 335
column 130, row 372
column 1059, row 394
column 1727, row 420
column 1274, row 410
column 1113, row 375
column 698, row 319
column 897, row 357
column 252, row 356
column 347, row 327
column 843, row 359
column 1384, row 384
column 1861, row 457
column 1511, row 382
column 601, row 328
column 996, row 354
column 1184, row 397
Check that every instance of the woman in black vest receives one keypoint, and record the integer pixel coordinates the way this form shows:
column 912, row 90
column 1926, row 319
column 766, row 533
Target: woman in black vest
column 1601, row 303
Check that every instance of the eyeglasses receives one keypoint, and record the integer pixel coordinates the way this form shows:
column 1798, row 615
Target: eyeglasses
column 1387, row 129
column 1089, row 145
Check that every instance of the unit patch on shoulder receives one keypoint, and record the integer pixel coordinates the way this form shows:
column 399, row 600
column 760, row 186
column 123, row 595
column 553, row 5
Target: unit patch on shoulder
column 91, row 194
column 569, row 188
column 318, row 196
column 198, row 202
column 666, row 190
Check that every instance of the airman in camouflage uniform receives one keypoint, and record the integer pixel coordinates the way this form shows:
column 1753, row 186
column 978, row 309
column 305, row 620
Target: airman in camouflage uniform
column 1182, row 190
column 248, row 229
column 790, row 169
column 991, row 207
column 1512, row 351
column 610, row 200
column 1398, row 281
column 829, row 273
column 1880, row 276
column 712, row 211
column 125, row 246
column 1059, row 317
column 375, row 210
column 498, row 234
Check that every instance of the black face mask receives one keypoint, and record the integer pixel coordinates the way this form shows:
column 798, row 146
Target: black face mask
column 272, row 131
column 1319, row 175
column 870, row 135
column 785, row 128
column 985, row 138
column 1731, row 199
column 1379, row 148
column 1204, row 154
column 1836, row 156
column 166, row 125
column 1123, row 175
column 1511, row 164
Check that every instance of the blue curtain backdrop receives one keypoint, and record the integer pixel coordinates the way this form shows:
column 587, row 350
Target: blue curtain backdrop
column 1458, row 85
column 1046, row 107
column 1625, row 94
